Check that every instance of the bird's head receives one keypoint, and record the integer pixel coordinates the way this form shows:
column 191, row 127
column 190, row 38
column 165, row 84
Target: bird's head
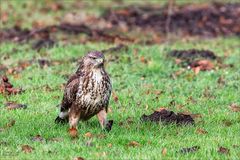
column 94, row 59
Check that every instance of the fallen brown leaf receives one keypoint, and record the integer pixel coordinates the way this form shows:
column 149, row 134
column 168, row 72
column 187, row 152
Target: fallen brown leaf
column 73, row 132
column 10, row 123
column 164, row 151
column 133, row 144
column 178, row 61
column 7, row 87
column 196, row 70
column 201, row 131
column 78, row 158
column 234, row 107
column 223, row 150
column 27, row 148
column 22, row 65
column 143, row 60
column 221, row 80
column 202, row 65
column 227, row 122
column 115, row 97
column 38, row 138
column 205, row 65
column 14, row 105
column 4, row 17
column 177, row 73
column 158, row 92
column 88, row 135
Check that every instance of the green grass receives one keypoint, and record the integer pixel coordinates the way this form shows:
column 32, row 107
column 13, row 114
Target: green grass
column 126, row 74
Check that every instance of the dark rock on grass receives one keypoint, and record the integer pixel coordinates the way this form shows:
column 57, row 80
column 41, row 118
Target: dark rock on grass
column 166, row 116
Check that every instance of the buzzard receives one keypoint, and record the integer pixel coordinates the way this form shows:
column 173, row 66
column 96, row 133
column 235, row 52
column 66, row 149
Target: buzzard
column 87, row 93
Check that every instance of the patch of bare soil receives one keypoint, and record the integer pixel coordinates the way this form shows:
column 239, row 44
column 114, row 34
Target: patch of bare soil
column 198, row 60
column 167, row 116
column 135, row 24
column 194, row 20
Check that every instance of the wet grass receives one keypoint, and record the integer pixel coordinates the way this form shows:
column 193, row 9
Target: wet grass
column 132, row 80
column 136, row 84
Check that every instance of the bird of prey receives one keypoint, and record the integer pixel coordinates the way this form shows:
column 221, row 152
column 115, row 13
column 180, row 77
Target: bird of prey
column 87, row 93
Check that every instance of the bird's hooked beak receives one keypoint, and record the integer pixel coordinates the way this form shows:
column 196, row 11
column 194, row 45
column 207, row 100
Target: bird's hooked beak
column 100, row 60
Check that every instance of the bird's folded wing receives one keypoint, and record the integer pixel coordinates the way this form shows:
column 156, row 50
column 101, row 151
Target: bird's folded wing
column 72, row 88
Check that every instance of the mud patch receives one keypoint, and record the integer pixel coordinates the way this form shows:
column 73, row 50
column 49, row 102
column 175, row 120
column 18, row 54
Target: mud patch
column 167, row 116
column 197, row 60
column 135, row 24
column 209, row 20
column 43, row 40
column 191, row 55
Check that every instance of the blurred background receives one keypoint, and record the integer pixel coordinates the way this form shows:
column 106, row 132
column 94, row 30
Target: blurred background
column 117, row 21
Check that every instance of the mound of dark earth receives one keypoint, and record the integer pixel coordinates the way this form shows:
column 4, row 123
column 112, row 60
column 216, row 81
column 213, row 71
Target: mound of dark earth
column 167, row 116
column 137, row 24
column 192, row 57
column 208, row 20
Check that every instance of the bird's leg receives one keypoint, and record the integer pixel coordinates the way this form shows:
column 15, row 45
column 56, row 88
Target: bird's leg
column 74, row 116
column 102, row 118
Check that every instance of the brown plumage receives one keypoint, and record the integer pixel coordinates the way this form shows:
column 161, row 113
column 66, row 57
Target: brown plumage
column 87, row 92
